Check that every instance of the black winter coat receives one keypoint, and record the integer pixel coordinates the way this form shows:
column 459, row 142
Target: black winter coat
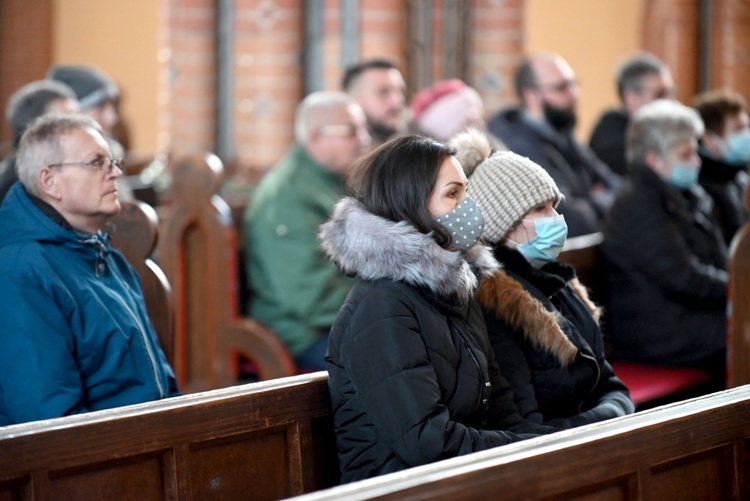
column 726, row 184
column 667, row 273
column 546, row 338
column 573, row 166
column 608, row 140
column 411, row 371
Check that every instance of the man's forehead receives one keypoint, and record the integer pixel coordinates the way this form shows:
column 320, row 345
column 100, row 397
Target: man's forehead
column 84, row 140
column 552, row 68
column 379, row 77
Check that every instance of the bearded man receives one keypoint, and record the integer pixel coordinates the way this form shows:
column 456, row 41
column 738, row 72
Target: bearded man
column 542, row 130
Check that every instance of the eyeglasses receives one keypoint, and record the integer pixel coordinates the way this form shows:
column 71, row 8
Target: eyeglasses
column 559, row 86
column 347, row 130
column 99, row 163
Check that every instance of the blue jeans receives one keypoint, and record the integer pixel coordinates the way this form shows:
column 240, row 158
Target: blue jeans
column 313, row 359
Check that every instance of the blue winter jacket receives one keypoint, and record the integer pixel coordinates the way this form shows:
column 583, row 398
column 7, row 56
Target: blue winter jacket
column 74, row 332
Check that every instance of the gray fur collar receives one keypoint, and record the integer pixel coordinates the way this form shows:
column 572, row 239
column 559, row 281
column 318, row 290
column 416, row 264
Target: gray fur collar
column 372, row 248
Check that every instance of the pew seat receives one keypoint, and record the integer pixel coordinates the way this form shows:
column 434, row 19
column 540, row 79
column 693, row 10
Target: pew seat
column 651, row 384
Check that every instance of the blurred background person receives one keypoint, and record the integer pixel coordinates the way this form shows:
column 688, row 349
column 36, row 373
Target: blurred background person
column 640, row 79
column 379, row 88
column 666, row 258
column 542, row 129
column 447, row 108
column 725, row 154
column 24, row 106
column 294, row 289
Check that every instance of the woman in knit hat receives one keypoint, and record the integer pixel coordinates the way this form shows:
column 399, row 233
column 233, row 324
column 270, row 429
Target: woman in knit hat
column 542, row 325
column 411, row 371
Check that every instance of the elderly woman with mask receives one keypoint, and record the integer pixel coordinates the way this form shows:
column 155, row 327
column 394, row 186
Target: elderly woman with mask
column 666, row 257
column 412, row 375
column 543, row 327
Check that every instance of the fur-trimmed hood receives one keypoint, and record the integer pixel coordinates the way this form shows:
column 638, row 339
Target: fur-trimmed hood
column 372, row 248
column 507, row 298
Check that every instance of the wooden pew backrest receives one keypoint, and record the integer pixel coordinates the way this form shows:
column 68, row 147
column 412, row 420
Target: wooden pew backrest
column 198, row 252
column 694, row 450
column 738, row 328
column 266, row 440
column 135, row 233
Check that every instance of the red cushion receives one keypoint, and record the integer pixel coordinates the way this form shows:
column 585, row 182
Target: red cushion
column 649, row 382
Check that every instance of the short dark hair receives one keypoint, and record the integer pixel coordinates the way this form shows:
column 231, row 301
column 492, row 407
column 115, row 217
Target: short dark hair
column 354, row 72
column 31, row 101
column 715, row 106
column 525, row 78
column 631, row 72
column 395, row 182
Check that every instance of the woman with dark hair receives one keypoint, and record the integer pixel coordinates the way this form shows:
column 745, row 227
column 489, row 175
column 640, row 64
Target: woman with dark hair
column 411, row 372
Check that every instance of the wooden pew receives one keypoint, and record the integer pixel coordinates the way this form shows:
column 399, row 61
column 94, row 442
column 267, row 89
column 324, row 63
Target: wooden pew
column 649, row 385
column 266, row 440
column 738, row 326
column 198, row 252
column 693, row 450
column 134, row 232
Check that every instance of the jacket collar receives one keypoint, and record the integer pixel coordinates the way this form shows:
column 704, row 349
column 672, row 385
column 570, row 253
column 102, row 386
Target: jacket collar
column 715, row 169
column 505, row 296
column 373, row 248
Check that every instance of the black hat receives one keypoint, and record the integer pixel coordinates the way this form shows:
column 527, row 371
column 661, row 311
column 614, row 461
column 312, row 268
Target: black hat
column 90, row 85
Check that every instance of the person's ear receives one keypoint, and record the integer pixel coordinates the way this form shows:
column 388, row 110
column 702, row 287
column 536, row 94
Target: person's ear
column 47, row 183
column 656, row 163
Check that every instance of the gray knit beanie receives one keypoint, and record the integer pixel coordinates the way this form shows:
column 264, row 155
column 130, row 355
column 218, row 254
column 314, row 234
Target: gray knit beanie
column 505, row 185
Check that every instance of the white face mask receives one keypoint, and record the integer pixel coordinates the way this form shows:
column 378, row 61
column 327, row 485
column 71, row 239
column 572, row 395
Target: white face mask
column 465, row 224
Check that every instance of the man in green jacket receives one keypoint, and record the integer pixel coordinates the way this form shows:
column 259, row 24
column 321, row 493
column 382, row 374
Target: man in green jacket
column 295, row 290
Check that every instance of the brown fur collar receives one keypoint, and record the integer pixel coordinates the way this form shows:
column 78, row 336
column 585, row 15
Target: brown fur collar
column 507, row 299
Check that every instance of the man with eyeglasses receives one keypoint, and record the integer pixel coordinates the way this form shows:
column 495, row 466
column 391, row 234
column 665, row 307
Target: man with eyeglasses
column 295, row 289
column 641, row 79
column 76, row 335
column 542, row 129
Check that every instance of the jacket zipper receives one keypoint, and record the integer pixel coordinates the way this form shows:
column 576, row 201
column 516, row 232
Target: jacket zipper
column 598, row 375
column 476, row 362
column 149, row 350
column 100, row 262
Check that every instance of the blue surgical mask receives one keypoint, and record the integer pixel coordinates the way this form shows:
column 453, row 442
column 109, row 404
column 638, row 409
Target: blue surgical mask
column 465, row 224
column 684, row 175
column 551, row 233
column 738, row 147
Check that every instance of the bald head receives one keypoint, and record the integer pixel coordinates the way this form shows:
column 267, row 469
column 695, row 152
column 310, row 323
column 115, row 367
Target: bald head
column 331, row 127
column 548, row 90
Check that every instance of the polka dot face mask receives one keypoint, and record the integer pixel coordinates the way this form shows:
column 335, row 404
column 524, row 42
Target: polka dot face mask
column 465, row 224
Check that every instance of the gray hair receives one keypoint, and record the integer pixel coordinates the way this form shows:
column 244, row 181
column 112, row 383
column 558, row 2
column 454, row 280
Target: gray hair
column 41, row 144
column 631, row 72
column 658, row 126
column 31, row 101
column 311, row 111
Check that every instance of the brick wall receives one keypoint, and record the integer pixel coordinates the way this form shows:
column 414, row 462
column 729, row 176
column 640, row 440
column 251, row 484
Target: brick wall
column 268, row 71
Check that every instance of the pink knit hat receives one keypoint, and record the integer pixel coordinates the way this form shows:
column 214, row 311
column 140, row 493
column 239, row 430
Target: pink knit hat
column 446, row 108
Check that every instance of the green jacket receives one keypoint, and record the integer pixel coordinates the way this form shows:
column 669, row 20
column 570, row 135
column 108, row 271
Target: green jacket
column 296, row 290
